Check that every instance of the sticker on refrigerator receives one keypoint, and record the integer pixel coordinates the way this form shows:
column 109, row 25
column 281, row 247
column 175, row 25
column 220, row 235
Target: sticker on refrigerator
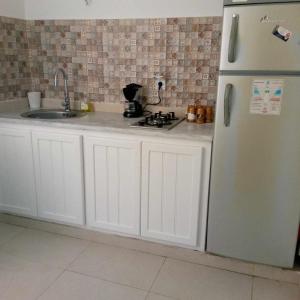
column 266, row 97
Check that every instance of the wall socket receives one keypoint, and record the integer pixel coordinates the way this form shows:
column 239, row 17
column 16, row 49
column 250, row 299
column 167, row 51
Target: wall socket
column 158, row 78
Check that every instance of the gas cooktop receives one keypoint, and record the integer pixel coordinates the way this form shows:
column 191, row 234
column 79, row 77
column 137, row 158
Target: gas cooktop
column 158, row 121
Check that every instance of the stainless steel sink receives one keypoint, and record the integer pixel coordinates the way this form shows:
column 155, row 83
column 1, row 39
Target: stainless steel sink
column 52, row 114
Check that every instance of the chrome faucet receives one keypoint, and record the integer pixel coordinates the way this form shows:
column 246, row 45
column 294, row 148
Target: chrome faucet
column 66, row 103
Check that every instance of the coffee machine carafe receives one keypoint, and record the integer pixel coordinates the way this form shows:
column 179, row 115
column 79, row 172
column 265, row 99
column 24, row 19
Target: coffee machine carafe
column 133, row 107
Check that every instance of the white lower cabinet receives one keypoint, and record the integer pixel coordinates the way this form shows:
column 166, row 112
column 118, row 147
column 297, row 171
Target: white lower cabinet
column 112, row 180
column 175, row 181
column 157, row 190
column 59, row 176
column 17, row 186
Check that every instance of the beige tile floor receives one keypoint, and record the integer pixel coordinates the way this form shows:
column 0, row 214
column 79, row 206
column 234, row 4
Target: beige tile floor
column 39, row 265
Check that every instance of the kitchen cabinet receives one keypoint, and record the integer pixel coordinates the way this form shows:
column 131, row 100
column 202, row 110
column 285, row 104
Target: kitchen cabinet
column 149, row 188
column 112, row 180
column 59, row 176
column 17, row 185
column 175, row 179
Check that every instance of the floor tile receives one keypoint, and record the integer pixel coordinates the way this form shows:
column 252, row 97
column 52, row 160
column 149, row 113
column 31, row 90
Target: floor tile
column 72, row 286
column 188, row 281
column 277, row 274
column 7, row 232
column 173, row 252
column 24, row 280
column 152, row 296
column 46, row 248
column 119, row 265
column 264, row 289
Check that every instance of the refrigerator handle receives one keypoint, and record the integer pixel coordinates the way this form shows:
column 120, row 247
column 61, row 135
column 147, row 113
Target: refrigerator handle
column 233, row 38
column 227, row 104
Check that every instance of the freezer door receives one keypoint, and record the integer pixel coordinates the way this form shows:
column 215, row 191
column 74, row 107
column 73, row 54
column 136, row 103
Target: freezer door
column 255, row 185
column 249, row 42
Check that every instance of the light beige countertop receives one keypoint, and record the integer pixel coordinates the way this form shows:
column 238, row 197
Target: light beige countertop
column 114, row 123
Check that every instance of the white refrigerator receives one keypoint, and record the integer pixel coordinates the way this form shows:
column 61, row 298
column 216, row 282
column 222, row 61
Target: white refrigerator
column 254, row 204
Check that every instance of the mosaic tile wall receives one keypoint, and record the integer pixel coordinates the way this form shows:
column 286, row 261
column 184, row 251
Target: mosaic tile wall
column 102, row 56
column 14, row 68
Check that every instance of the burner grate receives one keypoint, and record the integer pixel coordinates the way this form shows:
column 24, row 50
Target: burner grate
column 158, row 121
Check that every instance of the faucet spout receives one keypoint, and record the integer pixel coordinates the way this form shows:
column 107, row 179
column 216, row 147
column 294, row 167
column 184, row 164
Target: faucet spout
column 66, row 103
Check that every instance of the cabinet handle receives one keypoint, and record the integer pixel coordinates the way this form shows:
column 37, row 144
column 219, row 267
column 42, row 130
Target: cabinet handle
column 233, row 38
column 227, row 104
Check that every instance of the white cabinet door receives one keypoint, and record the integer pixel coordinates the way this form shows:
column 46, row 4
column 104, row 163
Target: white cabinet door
column 59, row 176
column 112, row 176
column 17, row 185
column 175, row 182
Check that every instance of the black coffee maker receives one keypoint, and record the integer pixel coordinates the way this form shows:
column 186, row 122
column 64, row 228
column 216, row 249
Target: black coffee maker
column 133, row 107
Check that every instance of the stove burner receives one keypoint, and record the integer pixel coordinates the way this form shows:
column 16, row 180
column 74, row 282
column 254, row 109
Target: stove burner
column 158, row 121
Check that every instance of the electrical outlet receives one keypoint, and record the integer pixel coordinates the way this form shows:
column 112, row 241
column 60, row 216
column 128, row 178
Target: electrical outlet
column 163, row 81
column 158, row 79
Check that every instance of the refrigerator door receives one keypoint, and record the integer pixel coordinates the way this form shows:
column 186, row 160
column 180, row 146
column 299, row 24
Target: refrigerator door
column 255, row 185
column 249, row 42
column 247, row 2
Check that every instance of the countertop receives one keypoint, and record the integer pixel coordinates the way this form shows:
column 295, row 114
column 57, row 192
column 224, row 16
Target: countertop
column 115, row 123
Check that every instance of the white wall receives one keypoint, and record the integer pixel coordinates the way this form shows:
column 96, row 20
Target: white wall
column 12, row 8
column 109, row 9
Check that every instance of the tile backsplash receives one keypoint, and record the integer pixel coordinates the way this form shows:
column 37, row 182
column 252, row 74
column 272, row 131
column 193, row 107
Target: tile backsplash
column 14, row 69
column 102, row 56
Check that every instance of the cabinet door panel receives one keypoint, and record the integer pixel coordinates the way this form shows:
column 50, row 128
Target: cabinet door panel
column 17, row 183
column 112, row 172
column 59, row 171
column 174, row 186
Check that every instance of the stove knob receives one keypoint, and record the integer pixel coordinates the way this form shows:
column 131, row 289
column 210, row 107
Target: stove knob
column 164, row 119
column 172, row 114
column 159, row 123
column 158, row 115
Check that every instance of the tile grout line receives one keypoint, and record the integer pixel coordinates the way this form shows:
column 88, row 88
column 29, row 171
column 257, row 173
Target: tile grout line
column 92, row 241
column 164, row 296
column 141, row 251
column 145, row 252
column 64, row 270
column 147, row 292
column 156, row 277
column 88, row 240
column 106, row 280
column 252, row 287
column 51, row 284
